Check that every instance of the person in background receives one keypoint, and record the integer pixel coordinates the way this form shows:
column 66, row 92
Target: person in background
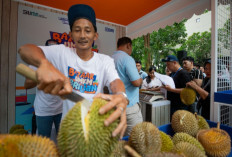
column 204, row 91
column 142, row 74
column 167, row 71
column 63, row 70
column 151, row 83
column 195, row 74
column 203, row 71
column 180, row 77
column 128, row 73
column 196, row 65
column 48, row 108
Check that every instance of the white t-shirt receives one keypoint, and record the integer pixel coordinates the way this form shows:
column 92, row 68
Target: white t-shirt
column 166, row 80
column 87, row 77
column 154, row 83
column 46, row 104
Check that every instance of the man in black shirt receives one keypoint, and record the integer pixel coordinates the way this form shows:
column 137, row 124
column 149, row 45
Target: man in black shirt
column 196, row 74
column 180, row 77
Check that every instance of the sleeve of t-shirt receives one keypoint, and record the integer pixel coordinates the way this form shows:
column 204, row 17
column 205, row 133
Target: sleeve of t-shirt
column 53, row 53
column 131, row 69
column 111, row 73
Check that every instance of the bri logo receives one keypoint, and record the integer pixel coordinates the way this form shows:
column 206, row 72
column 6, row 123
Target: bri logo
column 63, row 20
column 32, row 13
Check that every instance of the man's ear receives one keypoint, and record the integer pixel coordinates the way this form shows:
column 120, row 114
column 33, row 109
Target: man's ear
column 128, row 46
column 96, row 36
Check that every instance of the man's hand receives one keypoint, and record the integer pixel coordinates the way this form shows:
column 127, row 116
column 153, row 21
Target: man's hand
column 119, row 102
column 51, row 80
column 192, row 84
column 167, row 87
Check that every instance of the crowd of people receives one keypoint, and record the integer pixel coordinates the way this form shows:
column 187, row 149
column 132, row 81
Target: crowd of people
column 59, row 69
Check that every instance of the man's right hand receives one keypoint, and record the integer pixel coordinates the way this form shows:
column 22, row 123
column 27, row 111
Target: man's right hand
column 51, row 80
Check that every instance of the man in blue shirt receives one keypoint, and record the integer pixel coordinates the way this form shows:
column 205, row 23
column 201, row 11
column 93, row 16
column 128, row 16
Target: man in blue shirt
column 142, row 74
column 128, row 73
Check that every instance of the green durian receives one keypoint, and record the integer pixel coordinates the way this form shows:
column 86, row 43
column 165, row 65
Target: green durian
column 188, row 149
column 15, row 127
column 145, row 138
column 184, row 121
column 202, row 123
column 83, row 133
column 20, row 131
column 167, row 144
column 184, row 137
column 188, row 96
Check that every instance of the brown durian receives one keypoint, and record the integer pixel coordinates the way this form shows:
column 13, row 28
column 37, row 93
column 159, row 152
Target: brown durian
column 217, row 142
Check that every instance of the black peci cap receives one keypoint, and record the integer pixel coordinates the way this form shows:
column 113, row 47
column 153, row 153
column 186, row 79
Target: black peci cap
column 79, row 11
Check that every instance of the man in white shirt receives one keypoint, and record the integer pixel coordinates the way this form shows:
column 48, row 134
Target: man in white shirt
column 88, row 72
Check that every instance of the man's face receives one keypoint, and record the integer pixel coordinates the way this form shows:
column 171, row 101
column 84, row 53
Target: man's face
column 83, row 34
column 187, row 65
column 138, row 66
column 208, row 70
column 170, row 66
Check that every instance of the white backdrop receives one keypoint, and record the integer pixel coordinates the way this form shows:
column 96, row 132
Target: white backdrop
column 36, row 26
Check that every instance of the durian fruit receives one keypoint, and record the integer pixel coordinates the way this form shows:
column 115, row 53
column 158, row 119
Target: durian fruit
column 145, row 138
column 188, row 149
column 215, row 141
column 202, row 123
column 165, row 154
column 167, row 144
column 20, row 131
column 184, row 121
column 119, row 150
column 188, row 96
column 26, row 146
column 83, row 133
column 15, row 127
column 184, row 137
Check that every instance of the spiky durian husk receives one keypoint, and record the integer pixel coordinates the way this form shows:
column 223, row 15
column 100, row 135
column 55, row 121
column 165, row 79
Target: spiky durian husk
column 26, row 146
column 167, row 144
column 188, row 149
column 215, row 141
column 71, row 139
column 15, row 127
column 183, row 137
column 188, row 96
column 165, row 154
column 184, row 121
column 119, row 150
column 145, row 138
column 202, row 123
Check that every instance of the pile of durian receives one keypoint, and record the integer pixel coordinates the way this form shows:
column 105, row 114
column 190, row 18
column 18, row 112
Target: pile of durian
column 193, row 138
column 83, row 134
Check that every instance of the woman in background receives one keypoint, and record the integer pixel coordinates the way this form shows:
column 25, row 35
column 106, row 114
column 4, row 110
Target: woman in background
column 151, row 82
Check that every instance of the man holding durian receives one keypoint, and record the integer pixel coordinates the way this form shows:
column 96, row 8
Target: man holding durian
column 62, row 70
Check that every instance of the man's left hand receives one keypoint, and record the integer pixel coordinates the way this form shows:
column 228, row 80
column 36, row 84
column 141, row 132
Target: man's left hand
column 119, row 102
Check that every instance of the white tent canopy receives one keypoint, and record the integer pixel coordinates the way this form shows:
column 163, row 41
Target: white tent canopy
column 171, row 12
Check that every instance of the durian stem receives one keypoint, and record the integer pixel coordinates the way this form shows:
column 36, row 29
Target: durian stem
column 218, row 125
column 131, row 151
column 196, row 115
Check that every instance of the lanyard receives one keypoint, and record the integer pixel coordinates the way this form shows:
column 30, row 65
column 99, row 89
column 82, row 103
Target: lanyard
column 176, row 72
